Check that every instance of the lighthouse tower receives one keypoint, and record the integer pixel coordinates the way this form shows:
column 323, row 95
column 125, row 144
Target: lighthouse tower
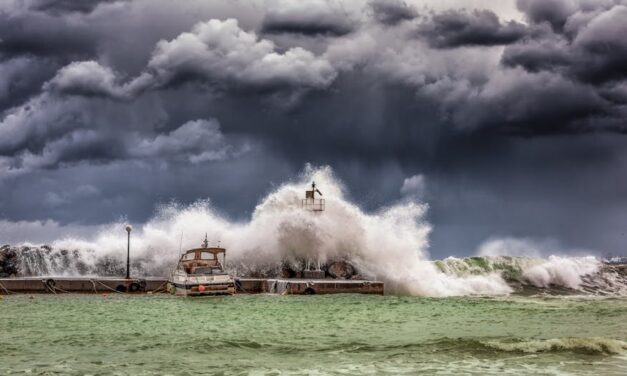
column 314, row 205
column 310, row 202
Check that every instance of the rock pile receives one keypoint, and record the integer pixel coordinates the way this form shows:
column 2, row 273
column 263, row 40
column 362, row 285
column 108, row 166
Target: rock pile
column 8, row 262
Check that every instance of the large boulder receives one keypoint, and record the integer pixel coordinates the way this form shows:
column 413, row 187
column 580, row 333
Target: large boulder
column 340, row 270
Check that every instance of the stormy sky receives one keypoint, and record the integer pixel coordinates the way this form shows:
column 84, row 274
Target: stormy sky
column 508, row 118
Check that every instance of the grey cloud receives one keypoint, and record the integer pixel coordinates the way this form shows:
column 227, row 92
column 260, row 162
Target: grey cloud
column 216, row 52
column 616, row 93
column 55, row 199
column 310, row 18
column 40, row 120
column 538, row 55
column 554, row 12
column 57, row 7
column 602, row 46
column 22, row 78
column 477, row 28
column 392, row 12
column 595, row 53
column 221, row 52
column 196, row 141
column 515, row 102
column 87, row 78
column 77, row 146
column 43, row 35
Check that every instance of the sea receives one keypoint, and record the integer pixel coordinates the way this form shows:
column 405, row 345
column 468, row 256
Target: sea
column 119, row 334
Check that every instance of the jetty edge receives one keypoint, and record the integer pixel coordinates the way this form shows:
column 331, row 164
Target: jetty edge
column 87, row 285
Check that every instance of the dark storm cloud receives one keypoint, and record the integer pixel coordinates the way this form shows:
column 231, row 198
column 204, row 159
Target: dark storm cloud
column 23, row 78
column 307, row 18
column 140, row 100
column 594, row 52
column 64, row 6
column 392, row 12
column 40, row 34
column 476, row 28
column 538, row 55
column 217, row 53
column 517, row 104
column 553, row 12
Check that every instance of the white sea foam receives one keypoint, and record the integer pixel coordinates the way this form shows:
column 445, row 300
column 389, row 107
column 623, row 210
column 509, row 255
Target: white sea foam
column 390, row 244
column 562, row 271
column 586, row 345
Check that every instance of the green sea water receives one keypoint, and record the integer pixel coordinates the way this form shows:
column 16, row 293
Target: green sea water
column 317, row 335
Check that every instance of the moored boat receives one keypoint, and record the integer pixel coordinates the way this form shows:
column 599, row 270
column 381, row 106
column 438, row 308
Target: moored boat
column 199, row 272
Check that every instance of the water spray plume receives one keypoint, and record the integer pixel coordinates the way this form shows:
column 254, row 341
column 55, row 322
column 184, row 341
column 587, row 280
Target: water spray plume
column 390, row 244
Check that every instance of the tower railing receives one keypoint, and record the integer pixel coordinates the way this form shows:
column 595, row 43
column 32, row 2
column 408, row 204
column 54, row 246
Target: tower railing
column 313, row 204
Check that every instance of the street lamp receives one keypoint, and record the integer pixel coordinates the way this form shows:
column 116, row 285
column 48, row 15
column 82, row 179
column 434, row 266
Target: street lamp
column 129, row 228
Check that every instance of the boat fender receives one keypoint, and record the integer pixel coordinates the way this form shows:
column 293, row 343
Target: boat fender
column 201, row 288
column 134, row 287
column 50, row 283
column 120, row 288
column 309, row 291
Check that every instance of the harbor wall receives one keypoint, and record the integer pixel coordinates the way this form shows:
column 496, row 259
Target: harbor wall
column 157, row 285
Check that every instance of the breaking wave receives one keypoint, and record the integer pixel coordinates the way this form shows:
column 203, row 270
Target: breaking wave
column 534, row 274
column 390, row 245
column 593, row 346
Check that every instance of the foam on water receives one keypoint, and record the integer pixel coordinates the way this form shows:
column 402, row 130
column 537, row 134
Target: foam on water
column 583, row 345
column 390, row 244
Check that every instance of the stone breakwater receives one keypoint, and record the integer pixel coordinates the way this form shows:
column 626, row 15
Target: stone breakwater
column 522, row 274
column 35, row 261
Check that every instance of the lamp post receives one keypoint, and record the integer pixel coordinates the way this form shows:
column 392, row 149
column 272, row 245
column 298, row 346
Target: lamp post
column 129, row 228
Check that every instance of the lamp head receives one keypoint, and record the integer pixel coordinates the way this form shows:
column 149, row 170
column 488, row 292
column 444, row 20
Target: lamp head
column 129, row 228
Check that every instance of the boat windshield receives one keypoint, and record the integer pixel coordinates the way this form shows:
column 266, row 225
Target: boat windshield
column 208, row 270
column 207, row 256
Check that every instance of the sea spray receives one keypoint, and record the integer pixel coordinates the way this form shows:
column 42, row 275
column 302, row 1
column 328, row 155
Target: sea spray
column 562, row 271
column 390, row 244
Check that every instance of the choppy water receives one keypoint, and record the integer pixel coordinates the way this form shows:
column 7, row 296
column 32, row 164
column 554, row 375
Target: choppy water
column 340, row 334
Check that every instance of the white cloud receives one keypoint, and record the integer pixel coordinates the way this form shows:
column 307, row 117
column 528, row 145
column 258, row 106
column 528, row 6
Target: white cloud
column 221, row 51
column 414, row 187
column 87, row 78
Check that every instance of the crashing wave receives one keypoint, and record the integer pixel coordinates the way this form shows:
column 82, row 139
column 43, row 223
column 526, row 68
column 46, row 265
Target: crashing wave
column 555, row 274
column 282, row 238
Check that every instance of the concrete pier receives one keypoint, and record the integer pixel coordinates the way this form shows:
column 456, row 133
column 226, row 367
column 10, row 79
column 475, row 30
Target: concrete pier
column 308, row 286
column 60, row 285
column 80, row 285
